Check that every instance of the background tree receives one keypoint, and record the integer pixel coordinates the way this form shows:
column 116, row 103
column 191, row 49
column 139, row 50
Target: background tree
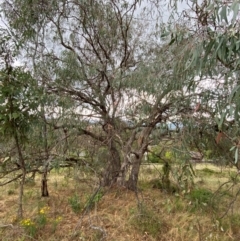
column 210, row 28
column 18, row 103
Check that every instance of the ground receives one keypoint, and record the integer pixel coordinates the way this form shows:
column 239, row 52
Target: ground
column 78, row 210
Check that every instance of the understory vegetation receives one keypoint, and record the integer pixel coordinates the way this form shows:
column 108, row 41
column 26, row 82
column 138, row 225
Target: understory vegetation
column 78, row 209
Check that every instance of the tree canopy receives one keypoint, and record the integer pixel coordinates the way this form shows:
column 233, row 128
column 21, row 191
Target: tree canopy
column 115, row 72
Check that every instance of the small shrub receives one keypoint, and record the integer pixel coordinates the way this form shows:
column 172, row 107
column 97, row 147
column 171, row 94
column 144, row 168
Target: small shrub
column 200, row 198
column 183, row 175
column 41, row 219
column 146, row 221
column 11, row 192
column 152, row 158
column 29, row 226
column 234, row 221
column 201, row 195
column 208, row 154
column 178, row 205
column 93, row 200
column 55, row 223
column 75, row 203
column 169, row 155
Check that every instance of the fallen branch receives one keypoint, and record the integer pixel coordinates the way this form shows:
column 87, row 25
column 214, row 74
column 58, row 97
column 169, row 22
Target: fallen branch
column 6, row 225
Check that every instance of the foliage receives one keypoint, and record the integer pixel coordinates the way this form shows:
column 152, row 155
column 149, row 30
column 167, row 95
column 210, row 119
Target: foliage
column 233, row 222
column 153, row 158
column 200, row 199
column 18, row 102
column 211, row 28
column 107, row 69
column 173, row 215
column 168, row 155
column 41, row 219
column 34, row 225
column 29, row 226
column 75, row 203
column 93, row 200
column 104, row 86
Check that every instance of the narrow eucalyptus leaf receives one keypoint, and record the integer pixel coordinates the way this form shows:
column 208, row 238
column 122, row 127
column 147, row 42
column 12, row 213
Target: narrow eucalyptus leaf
column 236, row 156
column 224, row 13
column 232, row 148
column 235, row 8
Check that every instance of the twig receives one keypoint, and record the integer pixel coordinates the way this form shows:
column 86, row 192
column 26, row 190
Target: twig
column 6, row 225
column 230, row 204
column 199, row 228
column 86, row 209
column 101, row 230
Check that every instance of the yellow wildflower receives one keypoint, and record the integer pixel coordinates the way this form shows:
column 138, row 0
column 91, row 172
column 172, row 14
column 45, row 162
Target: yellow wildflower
column 27, row 222
column 58, row 219
column 43, row 210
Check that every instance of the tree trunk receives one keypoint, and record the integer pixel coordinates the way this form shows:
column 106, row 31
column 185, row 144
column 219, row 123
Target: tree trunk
column 121, row 179
column 142, row 148
column 113, row 168
column 22, row 182
column 20, row 197
column 44, row 187
column 133, row 177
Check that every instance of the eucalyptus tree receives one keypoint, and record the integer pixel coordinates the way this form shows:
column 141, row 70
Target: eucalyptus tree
column 110, row 67
column 211, row 29
column 18, row 103
column 26, row 142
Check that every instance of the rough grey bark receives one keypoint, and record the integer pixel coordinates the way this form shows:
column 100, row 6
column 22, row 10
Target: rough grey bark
column 113, row 168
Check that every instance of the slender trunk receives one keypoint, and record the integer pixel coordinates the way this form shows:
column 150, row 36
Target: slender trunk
column 143, row 142
column 133, row 177
column 44, row 184
column 126, row 160
column 22, row 182
column 121, row 179
column 44, row 187
column 20, row 197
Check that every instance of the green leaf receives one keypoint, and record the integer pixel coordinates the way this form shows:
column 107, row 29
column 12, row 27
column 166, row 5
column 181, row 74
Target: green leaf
column 172, row 41
column 164, row 34
column 234, row 91
column 237, row 44
column 236, row 156
column 210, row 7
column 224, row 13
column 231, row 110
column 235, row 8
column 232, row 148
column 15, row 115
column 219, row 44
column 220, row 122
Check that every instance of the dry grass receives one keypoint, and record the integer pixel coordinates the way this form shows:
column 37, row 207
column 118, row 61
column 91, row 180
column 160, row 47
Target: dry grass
column 120, row 214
